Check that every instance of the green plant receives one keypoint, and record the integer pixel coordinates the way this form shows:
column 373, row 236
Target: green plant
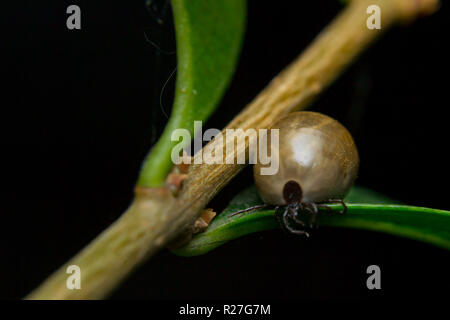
column 207, row 50
column 208, row 47
column 366, row 209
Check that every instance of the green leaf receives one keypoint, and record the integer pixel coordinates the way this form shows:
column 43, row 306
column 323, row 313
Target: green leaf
column 209, row 35
column 423, row 224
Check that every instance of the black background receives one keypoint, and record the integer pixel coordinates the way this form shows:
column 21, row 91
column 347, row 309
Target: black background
column 80, row 110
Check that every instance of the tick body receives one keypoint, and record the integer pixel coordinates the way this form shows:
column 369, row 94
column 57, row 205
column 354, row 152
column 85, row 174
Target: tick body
column 318, row 163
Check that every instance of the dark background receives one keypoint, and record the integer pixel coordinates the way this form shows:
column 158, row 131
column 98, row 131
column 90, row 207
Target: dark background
column 80, row 110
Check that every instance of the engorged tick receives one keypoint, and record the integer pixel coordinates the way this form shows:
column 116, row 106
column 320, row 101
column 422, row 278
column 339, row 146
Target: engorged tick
column 318, row 163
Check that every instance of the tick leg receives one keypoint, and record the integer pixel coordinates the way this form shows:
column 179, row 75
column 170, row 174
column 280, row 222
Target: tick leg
column 296, row 231
column 314, row 213
column 295, row 210
column 285, row 221
column 312, row 209
column 291, row 213
column 261, row 206
column 323, row 204
column 286, row 218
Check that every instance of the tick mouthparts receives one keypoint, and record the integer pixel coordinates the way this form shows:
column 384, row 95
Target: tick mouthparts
column 292, row 192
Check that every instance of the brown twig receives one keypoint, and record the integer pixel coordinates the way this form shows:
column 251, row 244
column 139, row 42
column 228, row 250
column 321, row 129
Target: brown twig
column 156, row 216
